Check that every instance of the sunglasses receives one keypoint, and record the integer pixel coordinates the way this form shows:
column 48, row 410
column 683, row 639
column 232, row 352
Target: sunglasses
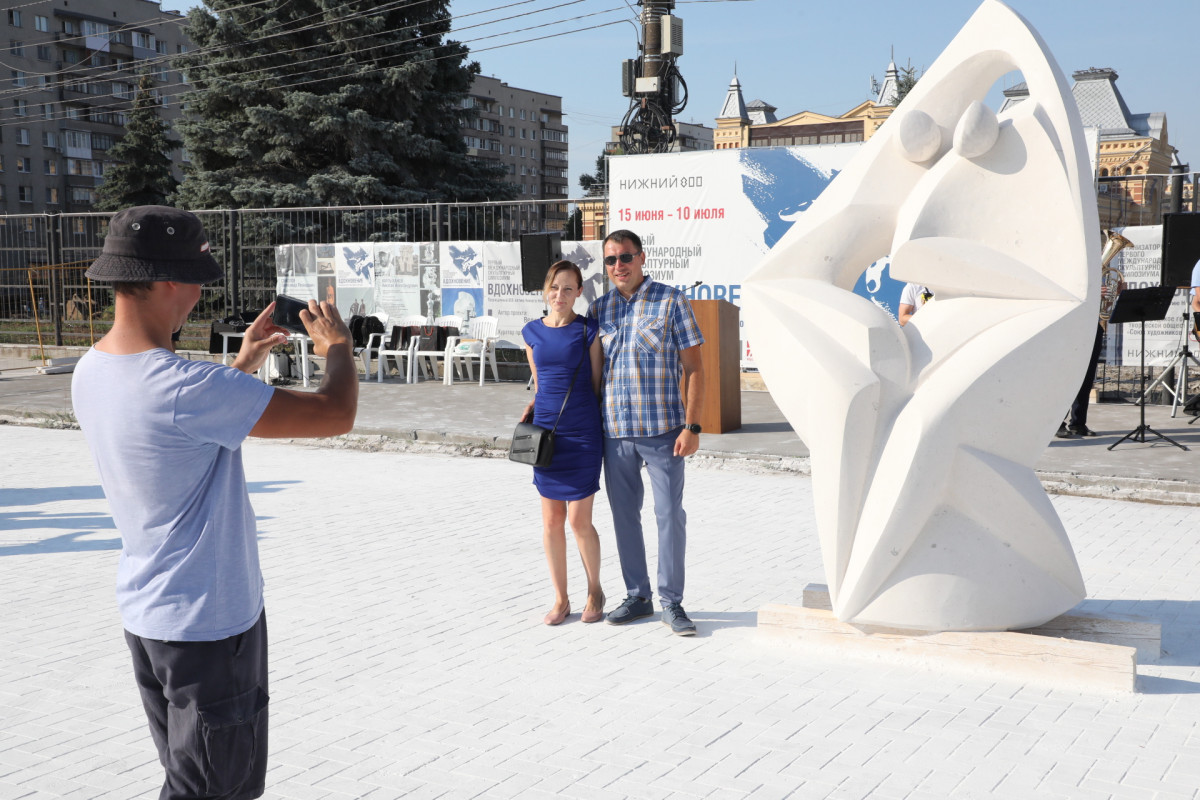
column 625, row 258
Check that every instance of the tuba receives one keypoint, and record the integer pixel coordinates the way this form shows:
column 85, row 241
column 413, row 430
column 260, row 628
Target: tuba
column 1110, row 277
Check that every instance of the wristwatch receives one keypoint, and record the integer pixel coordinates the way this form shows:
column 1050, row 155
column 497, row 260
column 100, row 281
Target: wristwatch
column 694, row 428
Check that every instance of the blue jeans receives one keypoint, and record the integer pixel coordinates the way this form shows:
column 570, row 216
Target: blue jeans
column 623, row 460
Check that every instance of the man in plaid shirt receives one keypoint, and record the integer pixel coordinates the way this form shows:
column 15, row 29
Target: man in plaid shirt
column 650, row 340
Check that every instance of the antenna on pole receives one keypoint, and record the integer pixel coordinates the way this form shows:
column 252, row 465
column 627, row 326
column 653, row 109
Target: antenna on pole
column 652, row 81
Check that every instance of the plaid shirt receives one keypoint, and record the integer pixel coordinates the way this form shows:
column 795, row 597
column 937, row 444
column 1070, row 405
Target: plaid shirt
column 642, row 337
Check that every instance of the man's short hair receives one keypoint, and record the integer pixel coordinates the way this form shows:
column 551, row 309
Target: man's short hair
column 132, row 288
column 622, row 236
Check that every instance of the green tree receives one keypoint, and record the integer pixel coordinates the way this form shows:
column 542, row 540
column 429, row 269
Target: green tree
column 329, row 102
column 596, row 183
column 141, row 172
column 906, row 79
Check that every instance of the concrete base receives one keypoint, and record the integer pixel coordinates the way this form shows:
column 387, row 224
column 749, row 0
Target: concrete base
column 1144, row 635
column 1079, row 651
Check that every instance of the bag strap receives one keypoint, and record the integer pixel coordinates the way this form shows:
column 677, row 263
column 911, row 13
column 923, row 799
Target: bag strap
column 574, row 375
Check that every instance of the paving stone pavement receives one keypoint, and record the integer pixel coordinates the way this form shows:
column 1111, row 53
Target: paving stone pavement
column 404, row 599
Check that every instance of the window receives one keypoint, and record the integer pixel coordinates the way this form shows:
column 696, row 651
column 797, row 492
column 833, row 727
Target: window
column 80, row 194
column 102, row 141
column 25, row 194
column 50, row 167
column 77, row 139
column 18, row 77
column 1, row 163
column 14, row 19
column 49, row 139
column 501, row 110
column 20, row 108
column 16, row 48
column 160, row 47
column 41, row 23
column 91, row 28
column 70, row 56
column 22, row 136
column 71, row 27
column 43, row 52
column 23, row 164
column 52, row 195
column 522, row 113
column 143, row 40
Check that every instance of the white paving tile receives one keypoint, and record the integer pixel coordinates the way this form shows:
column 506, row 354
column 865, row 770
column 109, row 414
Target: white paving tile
column 404, row 598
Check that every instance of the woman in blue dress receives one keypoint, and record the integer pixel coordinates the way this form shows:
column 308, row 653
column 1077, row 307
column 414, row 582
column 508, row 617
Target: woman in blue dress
column 560, row 346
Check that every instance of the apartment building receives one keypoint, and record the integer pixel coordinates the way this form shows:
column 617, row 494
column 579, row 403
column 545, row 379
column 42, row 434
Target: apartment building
column 72, row 71
column 523, row 130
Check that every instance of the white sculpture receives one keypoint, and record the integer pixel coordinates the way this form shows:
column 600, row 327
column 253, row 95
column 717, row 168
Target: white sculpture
column 923, row 438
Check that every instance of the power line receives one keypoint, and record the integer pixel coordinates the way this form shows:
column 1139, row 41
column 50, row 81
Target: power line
column 62, row 115
column 393, row 6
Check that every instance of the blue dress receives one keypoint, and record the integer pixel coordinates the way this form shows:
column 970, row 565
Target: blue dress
column 574, row 474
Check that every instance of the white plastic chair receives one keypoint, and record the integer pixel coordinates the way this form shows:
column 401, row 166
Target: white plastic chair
column 484, row 330
column 426, row 356
column 373, row 343
column 405, row 362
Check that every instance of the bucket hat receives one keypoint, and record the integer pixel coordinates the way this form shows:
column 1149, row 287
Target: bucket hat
column 155, row 243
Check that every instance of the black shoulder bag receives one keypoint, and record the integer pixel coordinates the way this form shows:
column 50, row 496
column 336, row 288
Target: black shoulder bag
column 534, row 445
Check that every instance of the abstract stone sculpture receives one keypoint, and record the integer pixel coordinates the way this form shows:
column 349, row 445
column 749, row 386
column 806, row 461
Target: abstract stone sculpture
column 923, row 438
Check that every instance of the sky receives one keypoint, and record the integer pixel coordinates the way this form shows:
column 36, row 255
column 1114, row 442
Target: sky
column 815, row 56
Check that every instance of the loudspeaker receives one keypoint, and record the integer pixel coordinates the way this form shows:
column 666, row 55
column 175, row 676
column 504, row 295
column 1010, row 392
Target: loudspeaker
column 1180, row 248
column 538, row 252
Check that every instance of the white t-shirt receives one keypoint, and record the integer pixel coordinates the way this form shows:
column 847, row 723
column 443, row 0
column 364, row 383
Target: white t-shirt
column 166, row 436
column 913, row 295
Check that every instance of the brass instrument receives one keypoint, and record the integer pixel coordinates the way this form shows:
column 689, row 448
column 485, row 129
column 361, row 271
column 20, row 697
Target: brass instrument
column 1110, row 277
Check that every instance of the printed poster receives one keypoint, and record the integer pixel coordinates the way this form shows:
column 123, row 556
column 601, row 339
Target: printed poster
column 706, row 219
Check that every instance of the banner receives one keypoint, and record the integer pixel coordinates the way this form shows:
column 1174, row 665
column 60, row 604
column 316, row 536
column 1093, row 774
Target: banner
column 397, row 280
column 405, row 279
column 1141, row 266
column 707, row 218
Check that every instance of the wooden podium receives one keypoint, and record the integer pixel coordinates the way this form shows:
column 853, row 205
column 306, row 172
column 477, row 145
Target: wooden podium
column 721, row 357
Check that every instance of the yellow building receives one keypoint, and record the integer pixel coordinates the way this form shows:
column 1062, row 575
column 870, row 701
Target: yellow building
column 1133, row 155
column 755, row 125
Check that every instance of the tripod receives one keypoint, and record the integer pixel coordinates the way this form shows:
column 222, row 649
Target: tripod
column 1141, row 305
column 1179, row 394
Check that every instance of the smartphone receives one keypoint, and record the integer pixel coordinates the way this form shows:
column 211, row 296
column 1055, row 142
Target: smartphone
column 287, row 313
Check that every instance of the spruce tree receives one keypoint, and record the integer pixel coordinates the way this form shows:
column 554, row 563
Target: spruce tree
column 328, row 103
column 141, row 170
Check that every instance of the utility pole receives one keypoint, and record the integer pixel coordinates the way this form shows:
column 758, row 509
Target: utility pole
column 652, row 81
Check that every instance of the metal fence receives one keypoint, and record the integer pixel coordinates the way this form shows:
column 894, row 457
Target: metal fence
column 46, row 298
column 1143, row 199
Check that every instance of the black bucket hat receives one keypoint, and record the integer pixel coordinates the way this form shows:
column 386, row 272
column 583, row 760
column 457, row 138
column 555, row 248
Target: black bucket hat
column 155, row 243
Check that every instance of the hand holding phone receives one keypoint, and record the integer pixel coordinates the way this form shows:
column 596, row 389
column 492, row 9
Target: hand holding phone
column 287, row 313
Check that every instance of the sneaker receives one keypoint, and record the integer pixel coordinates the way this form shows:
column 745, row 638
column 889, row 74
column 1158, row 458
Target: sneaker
column 1063, row 433
column 633, row 608
column 677, row 619
column 1082, row 430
